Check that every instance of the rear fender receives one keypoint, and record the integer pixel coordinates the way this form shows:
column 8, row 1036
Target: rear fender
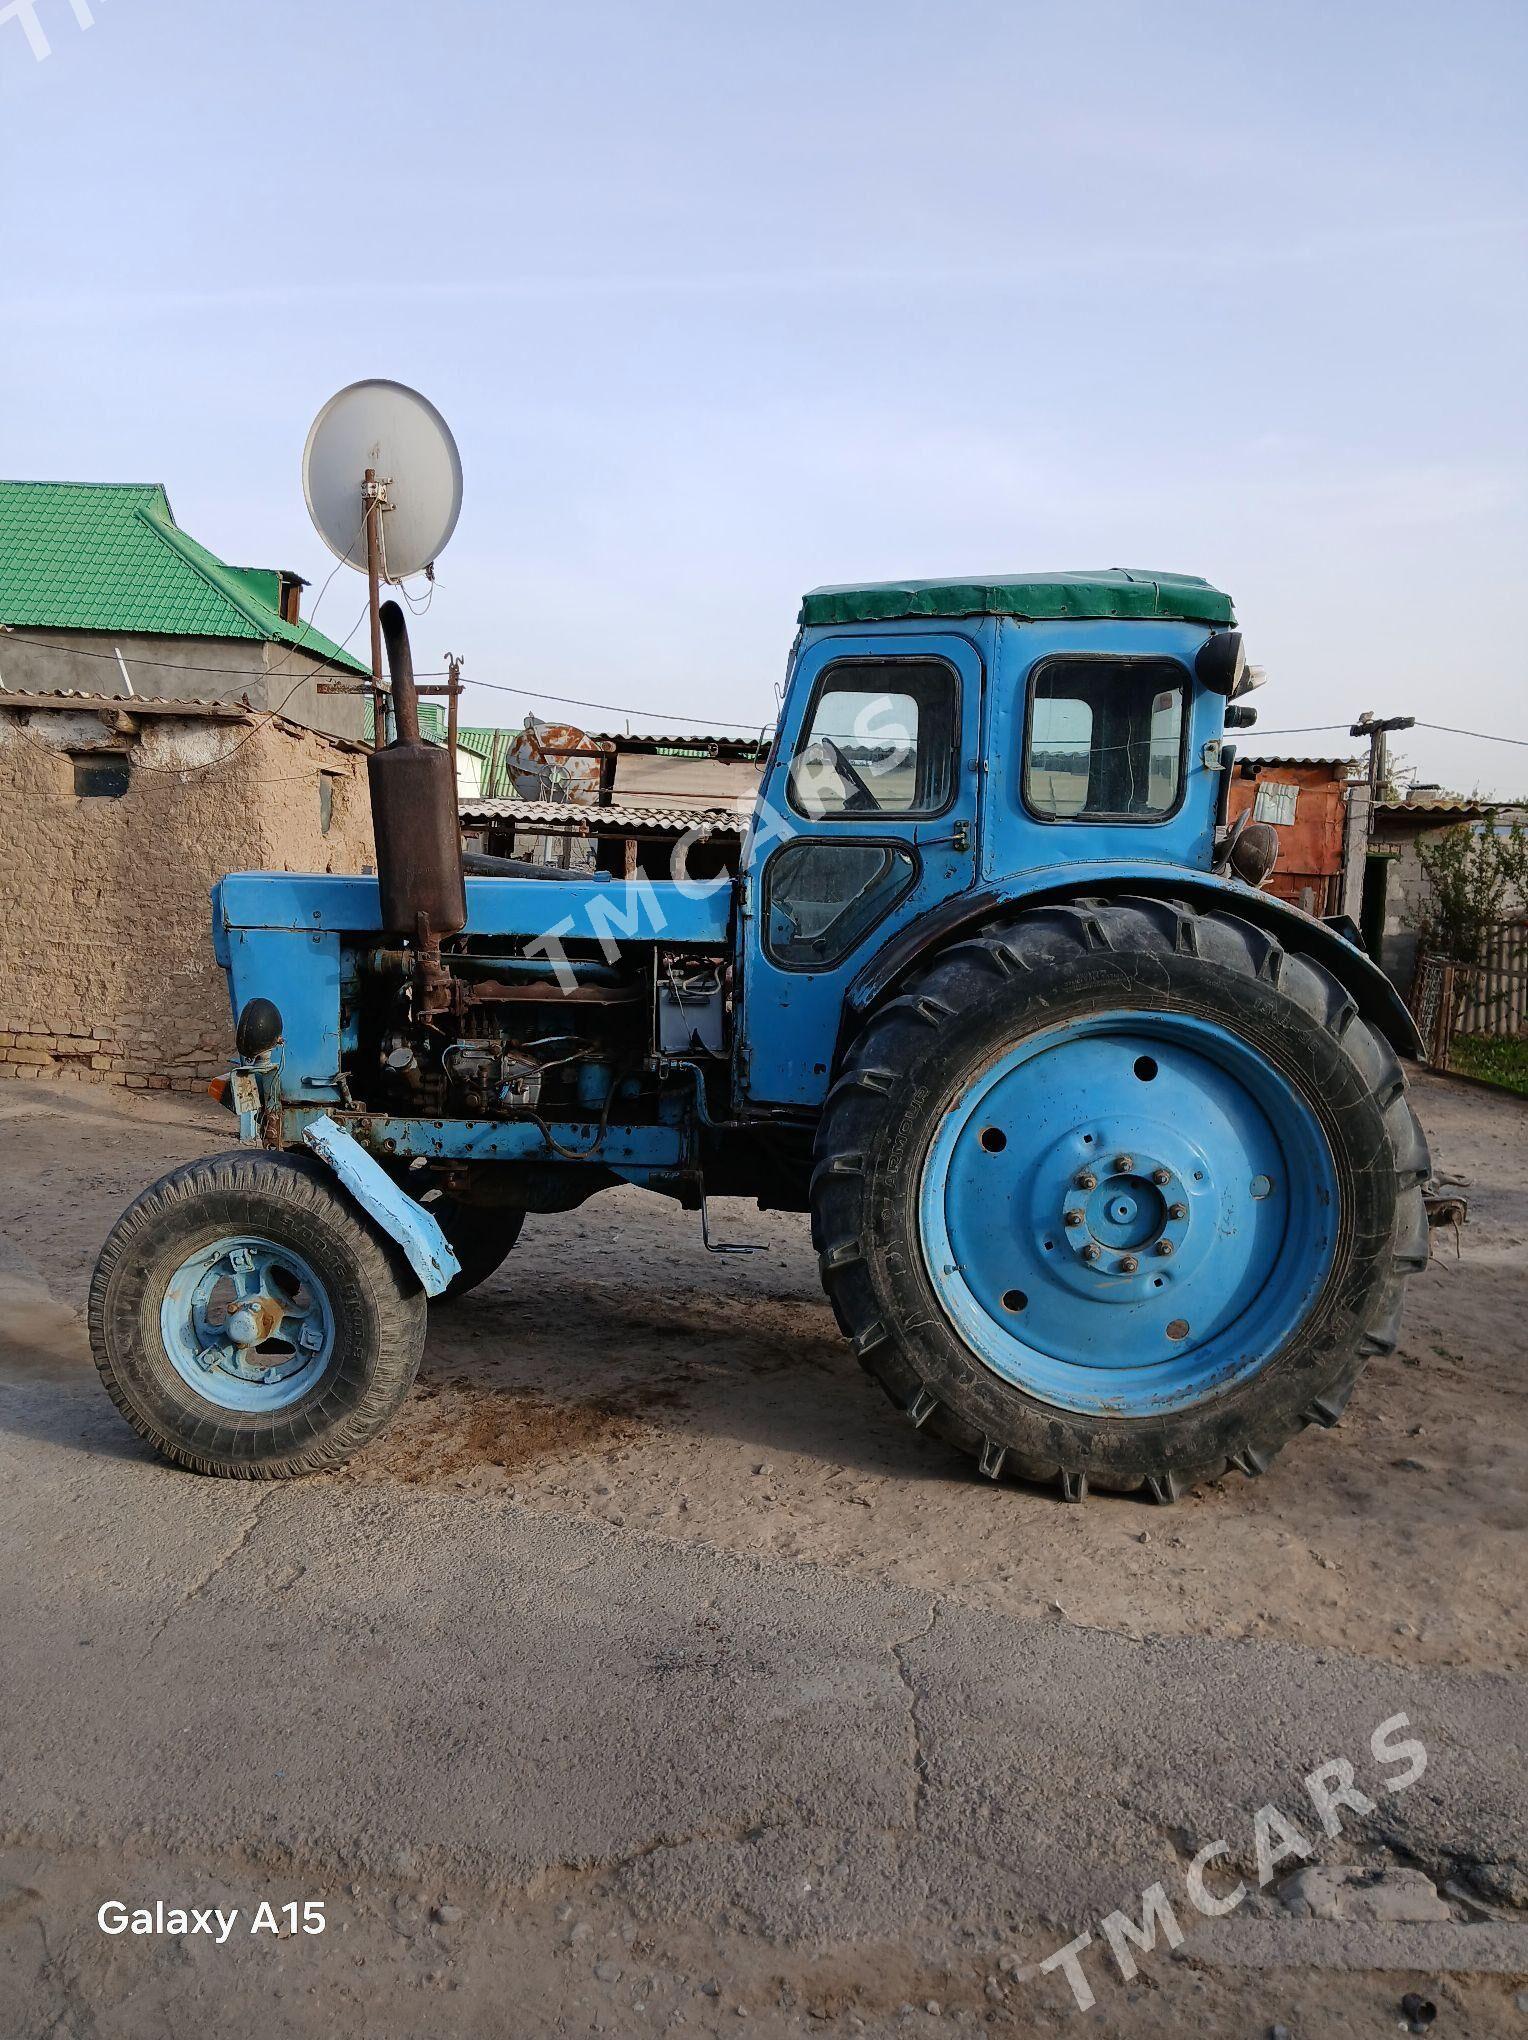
column 416, row 1230
column 1372, row 992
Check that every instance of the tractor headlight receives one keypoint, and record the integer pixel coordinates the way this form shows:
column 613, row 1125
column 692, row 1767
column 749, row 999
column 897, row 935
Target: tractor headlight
column 1255, row 852
column 258, row 1029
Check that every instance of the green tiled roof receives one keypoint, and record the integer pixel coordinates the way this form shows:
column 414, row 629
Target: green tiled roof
column 110, row 557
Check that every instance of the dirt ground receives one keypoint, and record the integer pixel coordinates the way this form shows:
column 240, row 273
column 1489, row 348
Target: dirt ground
column 613, row 1373
column 614, row 1370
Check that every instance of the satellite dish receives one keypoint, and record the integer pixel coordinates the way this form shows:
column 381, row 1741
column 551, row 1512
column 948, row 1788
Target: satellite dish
column 401, row 436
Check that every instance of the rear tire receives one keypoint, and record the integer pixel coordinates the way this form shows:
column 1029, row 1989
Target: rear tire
column 481, row 1237
column 250, row 1321
column 1111, row 1401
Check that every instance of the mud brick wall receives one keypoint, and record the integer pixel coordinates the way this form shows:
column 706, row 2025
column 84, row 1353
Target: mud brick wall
column 106, row 965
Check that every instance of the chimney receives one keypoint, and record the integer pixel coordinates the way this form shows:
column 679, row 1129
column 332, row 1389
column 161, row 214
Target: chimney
column 289, row 589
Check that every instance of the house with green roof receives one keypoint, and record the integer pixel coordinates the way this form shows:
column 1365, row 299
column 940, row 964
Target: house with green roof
column 476, row 747
column 102, row 593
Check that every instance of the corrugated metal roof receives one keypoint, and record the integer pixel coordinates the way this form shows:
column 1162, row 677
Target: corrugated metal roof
column 1259, row 759
column 109, row 556
column 556, row 814
column 194, row 708
column 168, row 707
column 687, row 740
column 1452, row 809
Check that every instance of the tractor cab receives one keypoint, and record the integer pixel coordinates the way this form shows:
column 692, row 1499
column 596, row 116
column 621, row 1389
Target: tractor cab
column 942, row 740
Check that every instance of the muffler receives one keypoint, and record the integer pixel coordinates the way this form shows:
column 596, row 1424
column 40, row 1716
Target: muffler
column 413, row 813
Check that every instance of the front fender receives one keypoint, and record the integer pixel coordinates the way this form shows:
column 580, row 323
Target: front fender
column 1372, row 992
column 416, row 1230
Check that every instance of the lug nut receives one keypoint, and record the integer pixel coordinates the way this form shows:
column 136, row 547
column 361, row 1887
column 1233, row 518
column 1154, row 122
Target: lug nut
column 1128, row 1264
column 1086, row 1181
column 1123, row 1164
column 1074, row 1217
column 1091, row 1251
column 1161, row 1175
column 1164, row 1247
column 1177, row 1211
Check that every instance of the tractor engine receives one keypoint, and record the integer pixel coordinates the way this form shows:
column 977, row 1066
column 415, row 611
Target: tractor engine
column 483, row 1032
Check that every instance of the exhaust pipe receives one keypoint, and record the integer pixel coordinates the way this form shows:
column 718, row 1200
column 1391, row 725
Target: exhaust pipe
column 413, row 812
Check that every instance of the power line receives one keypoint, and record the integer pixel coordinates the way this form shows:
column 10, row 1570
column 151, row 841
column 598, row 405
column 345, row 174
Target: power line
column 1447, row 729
column 658, row 715
column 262, row 722
column 1485, row 736
column 180, row 666
column 614, row 708
column 491, row 686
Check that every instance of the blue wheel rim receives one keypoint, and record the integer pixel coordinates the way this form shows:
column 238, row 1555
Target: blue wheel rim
column 1129, row 1214
column 247, row 1323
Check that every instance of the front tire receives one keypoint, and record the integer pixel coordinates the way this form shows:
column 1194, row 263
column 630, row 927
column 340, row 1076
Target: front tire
column 1119, row 1194
column 250, row 1321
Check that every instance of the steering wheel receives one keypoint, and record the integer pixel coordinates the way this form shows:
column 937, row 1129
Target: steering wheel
column 863, row 797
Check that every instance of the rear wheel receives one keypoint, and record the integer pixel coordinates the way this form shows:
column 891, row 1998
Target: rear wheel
column 1120, row 1194
column 249, row 1320
column 481, row 1236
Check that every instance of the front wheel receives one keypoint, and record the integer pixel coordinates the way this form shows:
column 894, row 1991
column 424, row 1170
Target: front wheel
column 1120, row 1194
column 249, row 1320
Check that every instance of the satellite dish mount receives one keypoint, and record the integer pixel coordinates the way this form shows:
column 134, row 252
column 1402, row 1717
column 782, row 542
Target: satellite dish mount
column 379, row 449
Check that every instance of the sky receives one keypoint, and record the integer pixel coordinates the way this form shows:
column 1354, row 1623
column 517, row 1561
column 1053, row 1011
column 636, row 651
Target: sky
column 723, row 301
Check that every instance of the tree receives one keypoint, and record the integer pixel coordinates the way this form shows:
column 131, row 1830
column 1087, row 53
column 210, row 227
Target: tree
column 1469, row 881
column 1512, row 855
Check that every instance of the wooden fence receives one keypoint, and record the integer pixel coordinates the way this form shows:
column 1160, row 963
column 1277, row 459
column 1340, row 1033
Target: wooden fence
column 1489, row 998
column 1494, row 997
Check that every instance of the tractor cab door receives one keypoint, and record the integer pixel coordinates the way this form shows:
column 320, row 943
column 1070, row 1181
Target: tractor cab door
column 866, row 821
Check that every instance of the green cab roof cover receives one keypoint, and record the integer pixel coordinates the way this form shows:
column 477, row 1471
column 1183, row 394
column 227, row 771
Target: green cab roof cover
column 1110, row 591
column 109, row 556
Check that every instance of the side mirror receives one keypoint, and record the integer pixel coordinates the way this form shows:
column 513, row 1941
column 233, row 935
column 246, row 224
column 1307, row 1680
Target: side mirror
column 1222, row 664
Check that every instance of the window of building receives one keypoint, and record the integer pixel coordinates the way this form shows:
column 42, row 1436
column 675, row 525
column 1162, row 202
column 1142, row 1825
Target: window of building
column 101, row 775
column 879, row 739
column 1275, row 803
column 1105, row 739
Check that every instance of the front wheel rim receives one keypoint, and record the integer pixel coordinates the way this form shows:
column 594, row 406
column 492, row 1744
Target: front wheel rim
column 248, row 1324
column 1129, row 1214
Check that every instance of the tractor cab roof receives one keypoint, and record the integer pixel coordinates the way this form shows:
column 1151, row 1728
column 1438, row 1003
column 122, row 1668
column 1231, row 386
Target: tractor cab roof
column 1107, row 592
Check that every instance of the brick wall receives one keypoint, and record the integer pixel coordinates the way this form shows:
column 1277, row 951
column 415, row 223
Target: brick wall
column 106, row 965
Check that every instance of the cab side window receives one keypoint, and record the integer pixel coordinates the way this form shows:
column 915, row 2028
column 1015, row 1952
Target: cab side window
column 879, row 739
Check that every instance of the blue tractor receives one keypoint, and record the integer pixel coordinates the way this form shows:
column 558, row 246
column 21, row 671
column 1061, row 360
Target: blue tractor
column 1112, row 1176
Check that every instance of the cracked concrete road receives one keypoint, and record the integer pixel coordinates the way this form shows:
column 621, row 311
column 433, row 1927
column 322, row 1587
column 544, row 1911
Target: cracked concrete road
column 552, row 1772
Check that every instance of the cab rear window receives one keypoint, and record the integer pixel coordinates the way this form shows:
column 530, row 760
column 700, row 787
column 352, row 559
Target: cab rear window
column 1104, row 739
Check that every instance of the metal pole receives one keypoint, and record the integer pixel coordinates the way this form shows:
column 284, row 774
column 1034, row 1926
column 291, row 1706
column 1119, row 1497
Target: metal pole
column 454, row 688
column 371, row 496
